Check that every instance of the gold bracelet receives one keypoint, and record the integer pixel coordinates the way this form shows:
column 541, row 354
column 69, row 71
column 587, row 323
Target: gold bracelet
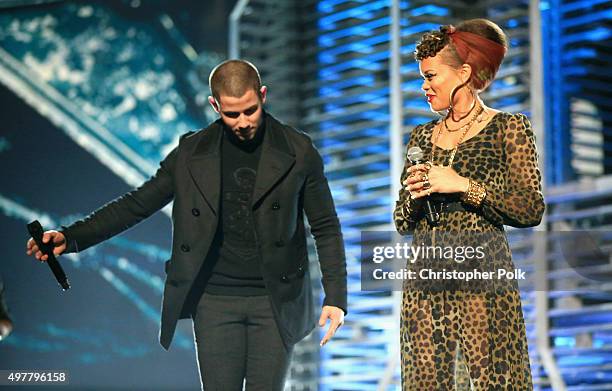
column 474, row 195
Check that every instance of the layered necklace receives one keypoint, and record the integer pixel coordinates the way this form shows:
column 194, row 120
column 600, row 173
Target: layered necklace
column 477, row 116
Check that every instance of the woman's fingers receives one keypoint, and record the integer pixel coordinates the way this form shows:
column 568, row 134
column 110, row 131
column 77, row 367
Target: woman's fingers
column 422, row 193
column 420, row 167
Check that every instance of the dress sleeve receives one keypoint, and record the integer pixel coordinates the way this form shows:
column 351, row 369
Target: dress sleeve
column 407, row 209
column 517, row 199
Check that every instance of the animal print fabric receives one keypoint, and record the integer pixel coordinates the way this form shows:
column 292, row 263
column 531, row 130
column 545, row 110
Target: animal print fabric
column 454, row 337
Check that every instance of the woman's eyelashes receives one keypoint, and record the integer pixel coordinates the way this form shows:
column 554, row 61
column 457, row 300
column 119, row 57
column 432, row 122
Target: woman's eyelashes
column 428, row 76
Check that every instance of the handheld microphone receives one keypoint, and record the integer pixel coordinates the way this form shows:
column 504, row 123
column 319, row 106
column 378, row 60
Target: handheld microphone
column 36, row 230
column 415, row 155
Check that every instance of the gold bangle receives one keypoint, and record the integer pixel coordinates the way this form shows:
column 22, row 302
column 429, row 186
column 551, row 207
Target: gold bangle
column 474, row 195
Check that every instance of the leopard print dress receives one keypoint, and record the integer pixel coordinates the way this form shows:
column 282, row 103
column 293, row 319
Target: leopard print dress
column 453, row 338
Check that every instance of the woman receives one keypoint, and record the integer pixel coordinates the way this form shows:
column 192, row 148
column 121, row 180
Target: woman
column 481, row 173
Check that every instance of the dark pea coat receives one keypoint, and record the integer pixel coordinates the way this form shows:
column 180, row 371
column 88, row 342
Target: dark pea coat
column 290, row 184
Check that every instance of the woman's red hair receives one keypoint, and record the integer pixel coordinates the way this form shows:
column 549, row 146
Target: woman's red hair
column 482, row 54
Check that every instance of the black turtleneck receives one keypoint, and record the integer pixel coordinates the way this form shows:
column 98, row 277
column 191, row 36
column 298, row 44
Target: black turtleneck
column 236, row 266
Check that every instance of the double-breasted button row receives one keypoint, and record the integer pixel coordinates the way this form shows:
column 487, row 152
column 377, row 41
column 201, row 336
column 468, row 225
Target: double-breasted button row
column 195, row 212
column 300, row 272
column 276, row 205
column 185, row 248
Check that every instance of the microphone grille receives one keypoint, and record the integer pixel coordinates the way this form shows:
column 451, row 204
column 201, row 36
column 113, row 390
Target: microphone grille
column 415, row 154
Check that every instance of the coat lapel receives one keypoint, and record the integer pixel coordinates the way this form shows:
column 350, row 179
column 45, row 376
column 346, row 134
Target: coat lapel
column 205, row 165
column 277, row 158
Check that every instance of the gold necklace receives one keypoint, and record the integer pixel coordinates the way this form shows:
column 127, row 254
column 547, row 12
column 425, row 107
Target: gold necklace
column 469, row 123
column 451, row 111
column 467, row 127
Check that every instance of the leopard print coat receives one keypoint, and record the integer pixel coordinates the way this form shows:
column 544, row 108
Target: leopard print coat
column 459, row 337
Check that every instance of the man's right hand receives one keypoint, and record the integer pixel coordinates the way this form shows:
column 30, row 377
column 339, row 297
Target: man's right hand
column 6, row 326
column 59, row 245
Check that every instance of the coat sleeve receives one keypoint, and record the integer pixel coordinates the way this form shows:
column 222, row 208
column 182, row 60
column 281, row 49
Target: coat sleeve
column 325, row 227
column 406, row 212
column 518, row 200
column 125, row 211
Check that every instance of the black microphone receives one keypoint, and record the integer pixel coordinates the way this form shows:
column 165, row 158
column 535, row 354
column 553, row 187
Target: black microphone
column 36, row 230
column 415, row 155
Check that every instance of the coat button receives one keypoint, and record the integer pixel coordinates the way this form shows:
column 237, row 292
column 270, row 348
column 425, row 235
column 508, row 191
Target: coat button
column 276, row 205
column 195, row 212
column 284, row 278
column 185, row 248
column 280, row 243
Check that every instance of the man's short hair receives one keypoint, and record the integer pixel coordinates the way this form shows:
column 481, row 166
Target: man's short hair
column 234, row 78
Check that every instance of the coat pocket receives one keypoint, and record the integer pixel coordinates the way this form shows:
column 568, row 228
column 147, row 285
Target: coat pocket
column 299, row 272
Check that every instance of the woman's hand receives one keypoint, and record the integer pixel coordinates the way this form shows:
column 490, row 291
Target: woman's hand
column 440, row 180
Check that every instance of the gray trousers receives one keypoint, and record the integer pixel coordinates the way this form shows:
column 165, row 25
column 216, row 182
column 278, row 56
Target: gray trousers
column 237, row 341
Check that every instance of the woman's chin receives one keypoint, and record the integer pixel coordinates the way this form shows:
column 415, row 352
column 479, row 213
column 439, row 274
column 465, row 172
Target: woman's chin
column 437, row 108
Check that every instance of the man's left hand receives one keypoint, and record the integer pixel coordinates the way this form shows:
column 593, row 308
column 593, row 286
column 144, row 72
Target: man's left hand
column 336, row 315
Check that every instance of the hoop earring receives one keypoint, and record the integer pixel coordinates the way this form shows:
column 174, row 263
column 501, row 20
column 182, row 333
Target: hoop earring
column 442, row 113
column 452, row 96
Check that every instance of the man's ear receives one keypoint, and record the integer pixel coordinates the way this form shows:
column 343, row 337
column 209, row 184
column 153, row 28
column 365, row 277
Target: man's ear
column 263, row 91
column 214, row 104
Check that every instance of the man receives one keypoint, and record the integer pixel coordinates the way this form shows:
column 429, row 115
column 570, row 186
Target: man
column 239, row 263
